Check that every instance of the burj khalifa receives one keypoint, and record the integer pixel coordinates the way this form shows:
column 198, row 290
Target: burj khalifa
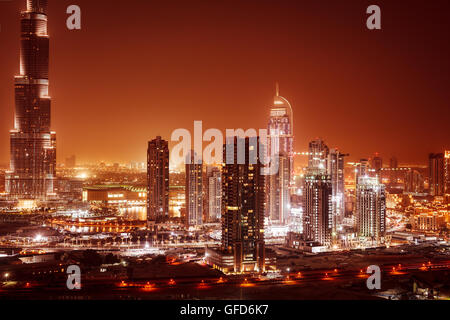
column 33, row 144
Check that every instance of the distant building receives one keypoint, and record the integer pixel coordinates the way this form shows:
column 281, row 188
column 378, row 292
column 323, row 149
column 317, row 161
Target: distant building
column 214, row 178
column 243, row 201
column 318, row 154
column 429, row 221
column 436, row 173
column 447, row 172
column 414, row 182
column 115, row 195
column 194, row 189
column 157, row 179
column 280, row 126
column 393, row 164
column 362, row 169
column 370, row 209
column 71, row 162
column 377, row 163
column 318, row 208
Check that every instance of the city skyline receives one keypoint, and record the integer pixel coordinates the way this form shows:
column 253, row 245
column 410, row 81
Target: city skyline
column 243, row 220
column 176, row 55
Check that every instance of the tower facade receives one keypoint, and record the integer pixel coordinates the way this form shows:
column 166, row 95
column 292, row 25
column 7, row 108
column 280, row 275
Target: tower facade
column 317, row 154
column 157, row 179
column 243, row 205
column 214, row 179
column 370, row 208
column 194, row 189
column 280, row 127
column 335, row 169
column 318, row 207
column 447, row 172
column 33, row 144
column 436, row 174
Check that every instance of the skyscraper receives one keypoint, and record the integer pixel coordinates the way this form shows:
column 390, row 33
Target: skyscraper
column 393, row 164
column 243, row 202
column 214, row 179
column 33, row 145
column 335, row 169
column 377, row 163
column 318, row 153
column 362, row 169
column 194, row 189
column 436, row 173
column 318, row 207
column 280, row 127
column 370, row 209
column 447, row 172
column 157, row 179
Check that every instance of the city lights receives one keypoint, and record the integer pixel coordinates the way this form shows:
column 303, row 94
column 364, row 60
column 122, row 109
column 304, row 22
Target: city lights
column 178, row 173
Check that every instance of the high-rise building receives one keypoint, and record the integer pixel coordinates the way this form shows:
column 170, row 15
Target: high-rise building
column 280, row 127
column 377, row 163
column 413, row 182
column 436, row 173
column 370, row 209
column 243, row 202
column 157, row 179
column 393, row 164
column 318, row 207
column 362, row 169
column 33, row 145
column 447, row 172
column 194, row 189
column 214, row 178
column 318, row 154
column 335, row 170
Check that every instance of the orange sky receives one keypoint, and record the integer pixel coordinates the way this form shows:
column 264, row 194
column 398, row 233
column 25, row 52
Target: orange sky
column 139, row 68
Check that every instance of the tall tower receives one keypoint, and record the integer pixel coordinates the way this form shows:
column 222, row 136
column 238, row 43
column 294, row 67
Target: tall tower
column 436, row 173
column 33, row 145
column 157, row 179
column 370, row 209
column 318, row 207
column 280, row 126
column 335, row 169
column 194, row 189
column 447, row 172
column 243, row 204
column 214, row 180
column 377, row 163
column 318, row 154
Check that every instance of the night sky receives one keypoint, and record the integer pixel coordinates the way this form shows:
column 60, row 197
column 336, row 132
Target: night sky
column 141, row 68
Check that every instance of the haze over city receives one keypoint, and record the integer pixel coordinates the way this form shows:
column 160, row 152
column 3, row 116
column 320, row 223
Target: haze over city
column 153, row 67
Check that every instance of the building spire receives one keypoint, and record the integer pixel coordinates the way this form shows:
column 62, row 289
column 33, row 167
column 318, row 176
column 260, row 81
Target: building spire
column 277, row 89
